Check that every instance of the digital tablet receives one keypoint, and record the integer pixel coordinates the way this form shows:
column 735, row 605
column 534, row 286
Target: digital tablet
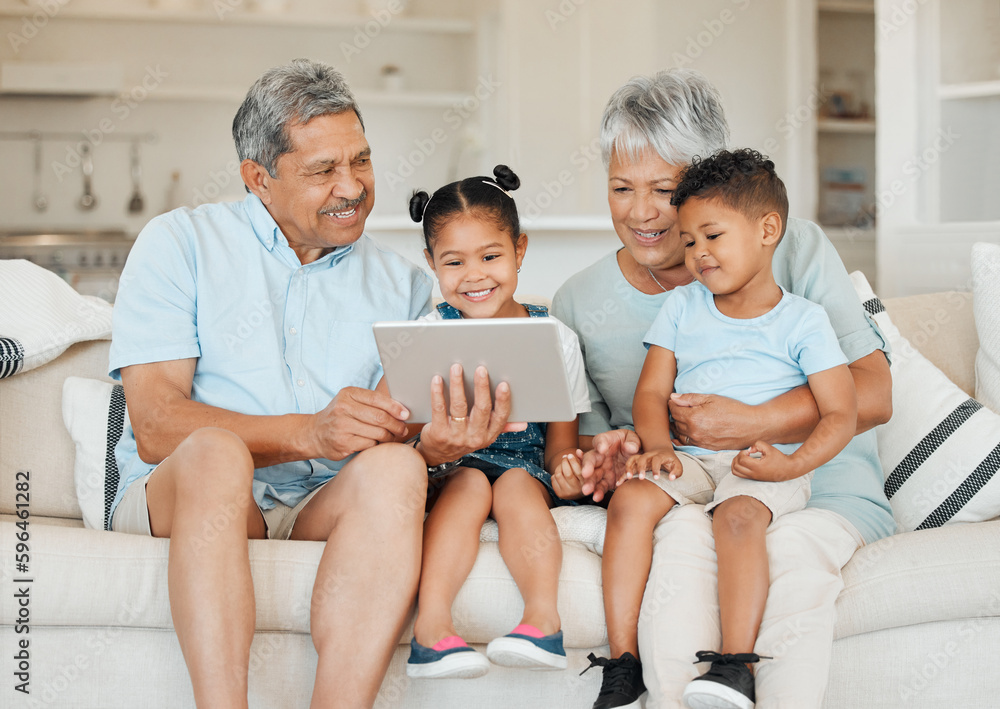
column 524, row 352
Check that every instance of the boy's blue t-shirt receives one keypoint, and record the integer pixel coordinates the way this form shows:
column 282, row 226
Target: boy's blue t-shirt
column 610, row 317
column 752, row 360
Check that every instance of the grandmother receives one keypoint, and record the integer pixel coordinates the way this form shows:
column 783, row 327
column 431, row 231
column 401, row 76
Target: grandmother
column 651, row 129
column 277, row 431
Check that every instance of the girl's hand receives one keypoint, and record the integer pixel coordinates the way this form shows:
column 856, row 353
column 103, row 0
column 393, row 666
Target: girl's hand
column 458, row 431
column 567, row 477
column 652, row 463
column 762, row 461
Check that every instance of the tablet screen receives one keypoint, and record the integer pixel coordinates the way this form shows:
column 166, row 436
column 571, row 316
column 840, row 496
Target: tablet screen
column 524, row 352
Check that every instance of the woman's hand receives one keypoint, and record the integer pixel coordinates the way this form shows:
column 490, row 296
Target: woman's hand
column 713, row 422
column 452, row 434
column 605, row 462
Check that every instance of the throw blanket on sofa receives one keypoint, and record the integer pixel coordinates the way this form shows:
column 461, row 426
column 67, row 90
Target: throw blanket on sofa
column 41, row 315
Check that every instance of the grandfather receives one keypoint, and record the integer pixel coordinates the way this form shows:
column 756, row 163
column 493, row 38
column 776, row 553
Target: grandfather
column 652, row 127
column 242, row 335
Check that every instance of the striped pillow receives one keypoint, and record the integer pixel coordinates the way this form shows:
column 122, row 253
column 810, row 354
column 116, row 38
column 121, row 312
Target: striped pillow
column 940, row 452
column 42, row 315
column 986, row 305
column 94, row 414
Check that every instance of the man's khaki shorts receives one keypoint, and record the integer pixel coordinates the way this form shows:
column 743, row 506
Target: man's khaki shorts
column 708, row 480
column 132, row 514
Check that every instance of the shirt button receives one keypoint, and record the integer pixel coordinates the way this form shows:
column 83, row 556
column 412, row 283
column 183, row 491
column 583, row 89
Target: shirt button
column 301, row 383
column 292, row 331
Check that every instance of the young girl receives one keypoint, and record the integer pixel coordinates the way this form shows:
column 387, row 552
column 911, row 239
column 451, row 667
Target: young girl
column 475, row 247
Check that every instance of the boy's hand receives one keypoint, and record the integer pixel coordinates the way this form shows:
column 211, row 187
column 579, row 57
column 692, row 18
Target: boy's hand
column 762, row 461
column 567, row 477
column 651, row 463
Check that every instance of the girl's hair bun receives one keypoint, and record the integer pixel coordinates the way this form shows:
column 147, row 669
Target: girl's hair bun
column 506, row 178
column 418, row 203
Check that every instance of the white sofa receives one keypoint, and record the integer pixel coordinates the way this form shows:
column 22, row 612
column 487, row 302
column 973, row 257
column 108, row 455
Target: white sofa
column 918, row 620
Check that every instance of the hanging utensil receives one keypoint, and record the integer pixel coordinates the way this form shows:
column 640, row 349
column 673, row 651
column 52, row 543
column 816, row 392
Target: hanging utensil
column 87, row 200
column 136, row 202
column 38, row 199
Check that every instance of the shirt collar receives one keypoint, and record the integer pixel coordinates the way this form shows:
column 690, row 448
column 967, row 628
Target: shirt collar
column 267, row 231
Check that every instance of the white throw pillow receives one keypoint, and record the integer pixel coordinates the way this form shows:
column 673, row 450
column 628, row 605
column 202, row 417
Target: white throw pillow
column 94, row 413
column 986, row 308
column 940, row 452
column 42, row 315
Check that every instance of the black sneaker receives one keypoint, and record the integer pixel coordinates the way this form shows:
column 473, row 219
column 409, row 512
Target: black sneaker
column 728, row 684
column 622, row 684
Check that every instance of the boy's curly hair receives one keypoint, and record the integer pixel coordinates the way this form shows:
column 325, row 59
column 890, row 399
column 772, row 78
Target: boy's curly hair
column 743, row 180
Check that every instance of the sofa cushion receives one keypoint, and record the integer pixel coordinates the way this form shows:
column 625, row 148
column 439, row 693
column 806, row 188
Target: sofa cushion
column 94, row 413
column 986, row 304
column 42, row 315
column 941, row 327
column 941, row 449
column 922, row 577
column 32, row 436
column 121, row 579
column 583, row 524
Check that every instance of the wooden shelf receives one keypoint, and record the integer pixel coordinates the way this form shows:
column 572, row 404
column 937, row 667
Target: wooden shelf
column 973, row 89
column 241, row 16
column 861, row 8
column 223, row 94
column 846, row 125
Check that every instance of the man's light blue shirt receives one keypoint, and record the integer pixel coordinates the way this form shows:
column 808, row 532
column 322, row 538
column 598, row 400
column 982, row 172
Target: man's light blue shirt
column 272, row 336
column 610, row 317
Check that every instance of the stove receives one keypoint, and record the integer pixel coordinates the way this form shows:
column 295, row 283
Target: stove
column 90, row 261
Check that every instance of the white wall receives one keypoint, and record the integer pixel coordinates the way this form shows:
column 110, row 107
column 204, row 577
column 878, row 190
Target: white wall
column 553, row 62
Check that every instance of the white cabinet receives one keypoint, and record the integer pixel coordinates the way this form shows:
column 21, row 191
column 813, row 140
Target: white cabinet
column 423, row 78
column 968, row 111
column 845, row 130
column 939, row 140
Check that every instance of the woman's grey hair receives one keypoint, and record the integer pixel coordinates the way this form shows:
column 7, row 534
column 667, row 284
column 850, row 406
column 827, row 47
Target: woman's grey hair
column 283, row 96
column 677, row 112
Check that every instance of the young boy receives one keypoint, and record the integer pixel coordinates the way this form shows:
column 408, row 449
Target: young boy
column 735, row 333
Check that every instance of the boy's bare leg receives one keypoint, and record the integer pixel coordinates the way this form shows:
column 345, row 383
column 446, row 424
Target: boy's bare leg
column 740, row 524
column 451, row 543
column 633, row 512
column 201, row 497
column 371, row 516
column 529, row 545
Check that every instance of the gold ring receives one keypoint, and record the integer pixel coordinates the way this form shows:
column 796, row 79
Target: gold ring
column 458, row 418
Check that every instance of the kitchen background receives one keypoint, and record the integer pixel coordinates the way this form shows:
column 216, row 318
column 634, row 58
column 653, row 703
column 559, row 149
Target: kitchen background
column 114, row 111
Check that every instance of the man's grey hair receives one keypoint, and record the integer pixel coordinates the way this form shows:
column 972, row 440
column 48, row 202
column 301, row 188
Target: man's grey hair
column 284, row 96
column 677, row 112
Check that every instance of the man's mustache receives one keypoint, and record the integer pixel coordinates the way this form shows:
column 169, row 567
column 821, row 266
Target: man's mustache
column 346, row 204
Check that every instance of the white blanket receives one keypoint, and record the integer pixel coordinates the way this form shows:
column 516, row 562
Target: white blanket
column 41, row 315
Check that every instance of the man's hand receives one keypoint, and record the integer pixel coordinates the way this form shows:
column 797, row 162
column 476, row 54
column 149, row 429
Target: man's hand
column 605, row 462
column 356, row 420
column 712, row 422
column 650, row 463
column 764, row 462
column 452, row 434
